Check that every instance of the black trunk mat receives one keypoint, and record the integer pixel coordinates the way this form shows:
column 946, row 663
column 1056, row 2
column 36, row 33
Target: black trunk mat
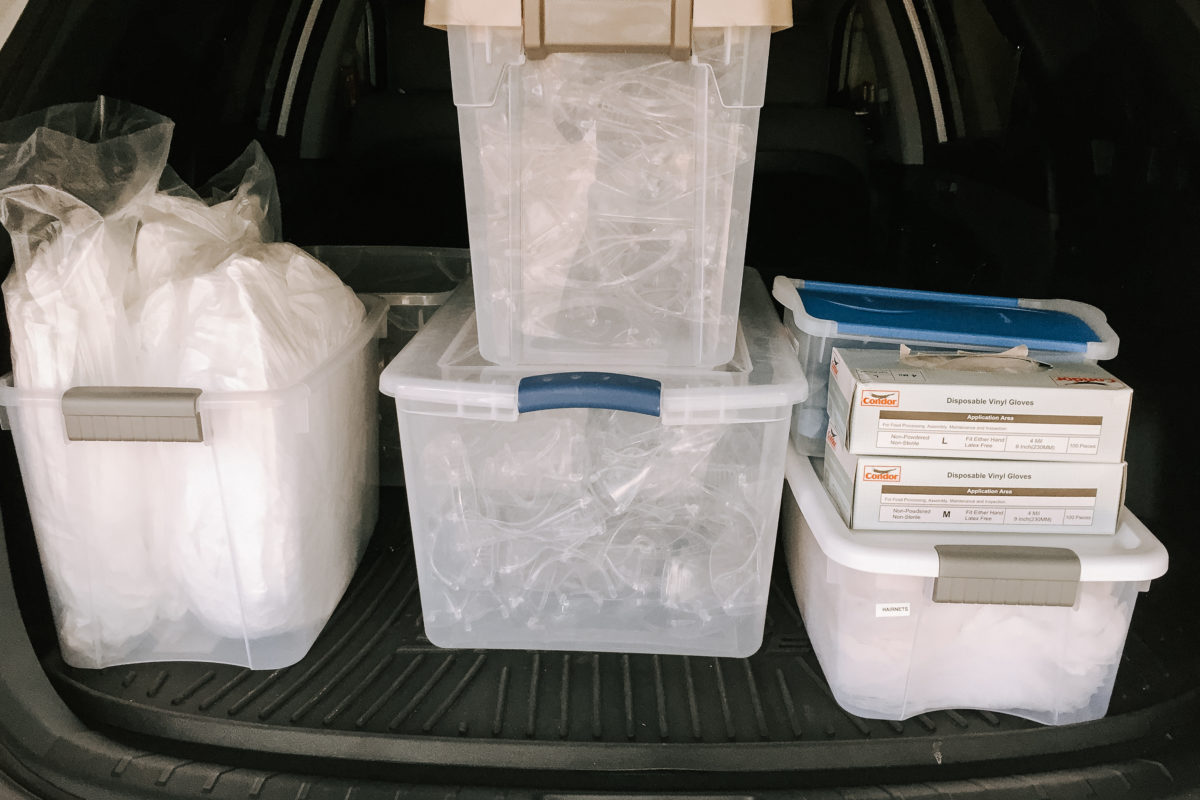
column 374, row 678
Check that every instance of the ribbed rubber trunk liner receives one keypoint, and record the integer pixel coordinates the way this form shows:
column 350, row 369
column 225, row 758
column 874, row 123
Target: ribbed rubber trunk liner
column 374, row 673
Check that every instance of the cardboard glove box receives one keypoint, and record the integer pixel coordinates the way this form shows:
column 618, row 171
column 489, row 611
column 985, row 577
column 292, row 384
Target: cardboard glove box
column 968, row 494
column 884, row 402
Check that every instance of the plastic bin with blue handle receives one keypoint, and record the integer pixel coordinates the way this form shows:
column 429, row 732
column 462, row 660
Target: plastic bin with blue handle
column 820, row 316
column 621, row 509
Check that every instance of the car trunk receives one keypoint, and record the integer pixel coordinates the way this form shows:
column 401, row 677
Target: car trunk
column 1084, row 187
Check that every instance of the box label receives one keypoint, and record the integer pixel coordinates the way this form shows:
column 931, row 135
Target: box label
column 1087, row 380
column 985, row 432
column 987, row 505
column 880, row 398
column 884, row 473
column 892, row 610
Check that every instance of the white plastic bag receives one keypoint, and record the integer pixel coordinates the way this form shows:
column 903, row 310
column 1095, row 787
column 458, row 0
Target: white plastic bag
column 123, row 276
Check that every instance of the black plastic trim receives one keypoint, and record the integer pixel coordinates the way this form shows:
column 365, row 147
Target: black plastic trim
column 277, row 719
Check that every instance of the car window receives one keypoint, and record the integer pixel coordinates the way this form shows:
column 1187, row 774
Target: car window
column 10, row 12
column 980, row 66
column 858, row 84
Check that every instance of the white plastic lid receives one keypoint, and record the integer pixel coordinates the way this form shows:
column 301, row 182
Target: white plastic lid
column 1131, row 554
column 440, row 372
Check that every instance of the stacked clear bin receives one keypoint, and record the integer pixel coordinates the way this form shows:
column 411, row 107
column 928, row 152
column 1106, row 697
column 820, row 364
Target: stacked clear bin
column 607, row 192
column 906, row 622
column 413, row 282
column 892, row 648
column 631, row 510
column 142, row 565
column 626, row 500
column 870, row 317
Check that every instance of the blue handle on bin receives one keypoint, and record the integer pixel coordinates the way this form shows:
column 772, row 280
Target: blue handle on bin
column 589, row 390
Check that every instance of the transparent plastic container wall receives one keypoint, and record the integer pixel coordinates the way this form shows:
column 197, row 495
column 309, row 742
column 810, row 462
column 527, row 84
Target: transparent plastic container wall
column 892, row 646
column 630, row 511
column 234, row 548
column 608, row 195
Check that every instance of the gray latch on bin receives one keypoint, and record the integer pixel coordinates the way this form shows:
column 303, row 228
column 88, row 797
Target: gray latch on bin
column 1011, row 576
column 608, row 26
column 131, row 414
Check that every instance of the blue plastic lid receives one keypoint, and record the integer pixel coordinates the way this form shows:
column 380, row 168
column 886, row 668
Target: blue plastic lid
column 961, row 319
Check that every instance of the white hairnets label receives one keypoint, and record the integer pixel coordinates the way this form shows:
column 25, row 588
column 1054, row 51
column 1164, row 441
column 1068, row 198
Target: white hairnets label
column 892, row 609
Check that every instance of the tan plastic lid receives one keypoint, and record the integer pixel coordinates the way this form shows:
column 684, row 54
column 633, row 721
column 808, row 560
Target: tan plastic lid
column 609, row 25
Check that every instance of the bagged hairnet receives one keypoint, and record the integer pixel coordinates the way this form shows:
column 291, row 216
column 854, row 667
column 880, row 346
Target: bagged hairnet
column 125, row 276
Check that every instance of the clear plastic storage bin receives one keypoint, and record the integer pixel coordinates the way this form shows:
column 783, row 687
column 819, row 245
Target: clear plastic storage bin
column 175, row 524
column 625, row 511
column 607, row 192
column 414, row 282
column 821, row 316
column 905, row 623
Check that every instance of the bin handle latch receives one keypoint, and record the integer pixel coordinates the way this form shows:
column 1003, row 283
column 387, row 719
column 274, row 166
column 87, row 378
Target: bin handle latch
column 132, row 414
column 589, row 390
column 1006, row 575
column 562, row 26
